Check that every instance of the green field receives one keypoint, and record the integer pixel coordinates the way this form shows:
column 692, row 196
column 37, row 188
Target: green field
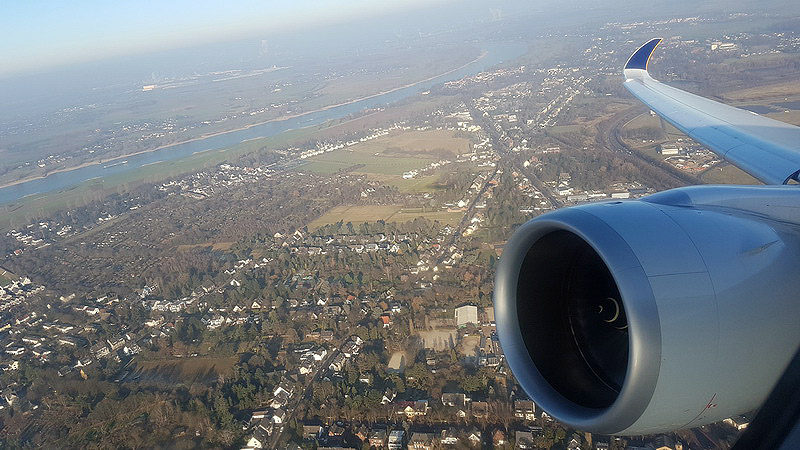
column 446, row 217
column 727, row 174
column 387, row 213
column 391, row 155
column 643, row 121
column 324, row 167
column 360, row 162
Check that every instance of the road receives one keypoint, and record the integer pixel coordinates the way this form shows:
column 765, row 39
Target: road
column 502, row 149
column 541, row 187
column 459, row 229
column 277, row 439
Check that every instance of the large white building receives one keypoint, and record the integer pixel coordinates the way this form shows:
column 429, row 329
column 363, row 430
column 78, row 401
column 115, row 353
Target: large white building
column 466, row 314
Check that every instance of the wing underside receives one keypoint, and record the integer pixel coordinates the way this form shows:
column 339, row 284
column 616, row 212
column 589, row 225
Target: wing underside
column 765, row 148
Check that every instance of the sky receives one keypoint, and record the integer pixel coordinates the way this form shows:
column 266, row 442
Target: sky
column 39, row 34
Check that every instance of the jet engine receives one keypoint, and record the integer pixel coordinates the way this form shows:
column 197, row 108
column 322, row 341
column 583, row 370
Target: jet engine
column 652, row 315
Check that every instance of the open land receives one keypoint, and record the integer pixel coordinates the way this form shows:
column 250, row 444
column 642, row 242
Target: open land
column 727, row 174
column 183, row 370
column 398, row 361
column 439, row 339
column 386, row 213
column 391, row 155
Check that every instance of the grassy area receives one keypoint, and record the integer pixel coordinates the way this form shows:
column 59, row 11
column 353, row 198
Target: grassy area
column 325, row 167
column 355, row 214
column 405, row 215
column 429, row 183
column 770, row 91
column 727, row 174
column 647, row 121
column 6, row 277
column 563, row 129
column 643, row 121
column 792, row 117
column 219, row 246
column 391, row 155
column 388, row 213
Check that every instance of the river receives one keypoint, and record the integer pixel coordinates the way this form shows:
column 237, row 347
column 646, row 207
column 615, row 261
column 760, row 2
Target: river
column 495, row 55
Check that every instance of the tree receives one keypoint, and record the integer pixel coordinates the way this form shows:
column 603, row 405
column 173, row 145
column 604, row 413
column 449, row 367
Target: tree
column 473, row 383
column 221, row 411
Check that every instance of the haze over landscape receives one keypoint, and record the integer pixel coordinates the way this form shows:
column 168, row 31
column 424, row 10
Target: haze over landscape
column 276, row 224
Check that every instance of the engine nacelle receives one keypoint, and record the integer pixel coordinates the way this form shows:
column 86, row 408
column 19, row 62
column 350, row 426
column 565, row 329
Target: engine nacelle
column 653, row 315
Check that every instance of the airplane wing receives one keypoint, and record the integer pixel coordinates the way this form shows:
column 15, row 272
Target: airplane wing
column 765, row 148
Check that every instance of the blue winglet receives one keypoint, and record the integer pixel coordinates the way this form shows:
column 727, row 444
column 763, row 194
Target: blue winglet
column 641, row 57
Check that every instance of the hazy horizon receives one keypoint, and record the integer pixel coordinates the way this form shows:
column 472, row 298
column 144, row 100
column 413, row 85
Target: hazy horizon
column 45, row 36
column 42, row 37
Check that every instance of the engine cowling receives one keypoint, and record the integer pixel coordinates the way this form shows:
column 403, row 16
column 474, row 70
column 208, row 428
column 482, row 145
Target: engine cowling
column 653, row 315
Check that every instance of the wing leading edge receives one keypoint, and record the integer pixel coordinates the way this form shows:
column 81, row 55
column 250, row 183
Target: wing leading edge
column 765, row 148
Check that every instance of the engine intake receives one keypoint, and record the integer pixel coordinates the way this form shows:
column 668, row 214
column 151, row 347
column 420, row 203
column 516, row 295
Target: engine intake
column 577, row 328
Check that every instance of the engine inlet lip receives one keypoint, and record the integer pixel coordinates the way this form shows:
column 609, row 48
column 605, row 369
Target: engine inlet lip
column 636, row 294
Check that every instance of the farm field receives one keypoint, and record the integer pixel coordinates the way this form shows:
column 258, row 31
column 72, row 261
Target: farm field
column 780, row 101
column 427, row 183
column 770, row 91
column 387, row 213
column 391, row 155
column 217, row 246
column 792, row 117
